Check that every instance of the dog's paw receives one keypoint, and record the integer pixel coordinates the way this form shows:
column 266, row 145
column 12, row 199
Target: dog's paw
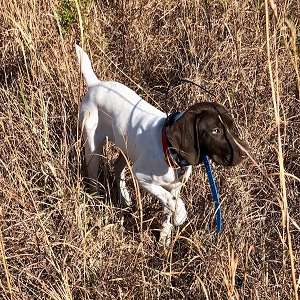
column 166, row 234
column 180, row 214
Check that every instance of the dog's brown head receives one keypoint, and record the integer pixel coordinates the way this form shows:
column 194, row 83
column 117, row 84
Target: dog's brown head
column 207, row 129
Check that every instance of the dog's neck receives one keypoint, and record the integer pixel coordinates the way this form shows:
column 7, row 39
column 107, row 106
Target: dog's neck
column 173, row 159
column 173, row 118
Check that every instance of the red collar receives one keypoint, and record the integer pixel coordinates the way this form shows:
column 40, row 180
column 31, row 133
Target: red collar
column 168, row 156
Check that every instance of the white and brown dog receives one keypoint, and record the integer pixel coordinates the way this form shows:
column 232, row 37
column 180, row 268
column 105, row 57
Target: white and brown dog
column 154, row 145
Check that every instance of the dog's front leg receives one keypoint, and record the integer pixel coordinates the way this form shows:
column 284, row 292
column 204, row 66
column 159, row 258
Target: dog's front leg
column 172, row 206
column 166, row 231
column 169, row 201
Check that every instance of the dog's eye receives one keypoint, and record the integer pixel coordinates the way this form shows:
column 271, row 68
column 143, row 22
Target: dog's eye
column 216, row 131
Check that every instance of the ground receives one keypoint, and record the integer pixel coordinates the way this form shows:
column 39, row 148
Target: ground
column 59, row 242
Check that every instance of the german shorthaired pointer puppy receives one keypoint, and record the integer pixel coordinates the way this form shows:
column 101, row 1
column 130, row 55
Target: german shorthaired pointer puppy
column 162, row 150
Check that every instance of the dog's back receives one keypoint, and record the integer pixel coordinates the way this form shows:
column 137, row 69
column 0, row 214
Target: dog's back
column 115, row 110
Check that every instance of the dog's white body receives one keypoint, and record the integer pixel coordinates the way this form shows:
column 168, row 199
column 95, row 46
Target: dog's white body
column 110, row 109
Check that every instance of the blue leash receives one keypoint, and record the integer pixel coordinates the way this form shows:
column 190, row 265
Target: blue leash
column 214, row 192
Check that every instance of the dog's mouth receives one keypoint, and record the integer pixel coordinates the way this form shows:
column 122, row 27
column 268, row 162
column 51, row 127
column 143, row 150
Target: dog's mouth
column 224, row 161
column 234, row 158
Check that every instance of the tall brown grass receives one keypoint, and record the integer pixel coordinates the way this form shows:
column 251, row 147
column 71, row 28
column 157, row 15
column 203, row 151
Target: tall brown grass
column 59, row 242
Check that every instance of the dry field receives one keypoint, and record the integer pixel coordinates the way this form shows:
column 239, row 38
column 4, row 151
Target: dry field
column 59, row 242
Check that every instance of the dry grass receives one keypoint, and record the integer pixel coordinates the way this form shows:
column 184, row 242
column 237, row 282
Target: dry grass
column 58, row 242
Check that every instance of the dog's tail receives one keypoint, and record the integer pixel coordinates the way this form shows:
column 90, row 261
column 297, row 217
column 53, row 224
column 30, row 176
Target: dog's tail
column 86, row 67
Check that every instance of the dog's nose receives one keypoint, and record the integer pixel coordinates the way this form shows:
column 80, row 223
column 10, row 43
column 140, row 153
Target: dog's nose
column 243, row 152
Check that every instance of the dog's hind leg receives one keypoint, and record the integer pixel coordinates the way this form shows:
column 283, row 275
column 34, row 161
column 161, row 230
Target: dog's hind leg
column 124, row 198
column 93, row 143
column 92, row 157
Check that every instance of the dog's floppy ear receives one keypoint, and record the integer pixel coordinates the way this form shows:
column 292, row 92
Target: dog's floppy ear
column 183, row 137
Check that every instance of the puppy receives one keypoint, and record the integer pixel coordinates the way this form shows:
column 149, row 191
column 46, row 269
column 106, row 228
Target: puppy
column 162, row 150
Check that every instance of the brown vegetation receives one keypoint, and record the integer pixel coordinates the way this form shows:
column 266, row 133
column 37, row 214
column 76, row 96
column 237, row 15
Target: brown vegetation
column 59, row 242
